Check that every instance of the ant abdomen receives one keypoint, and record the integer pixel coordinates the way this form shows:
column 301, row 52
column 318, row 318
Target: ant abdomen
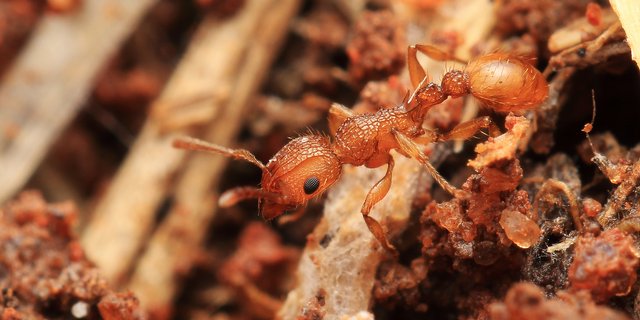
column 506, row 83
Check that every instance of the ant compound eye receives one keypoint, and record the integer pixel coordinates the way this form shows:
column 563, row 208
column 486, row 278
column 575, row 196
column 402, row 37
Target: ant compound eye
column 311, row 185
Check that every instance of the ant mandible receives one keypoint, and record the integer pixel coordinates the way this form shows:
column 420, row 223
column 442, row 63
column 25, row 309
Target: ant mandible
column 308, row 165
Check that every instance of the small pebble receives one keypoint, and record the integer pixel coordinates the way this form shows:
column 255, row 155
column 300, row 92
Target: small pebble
column 80, row 310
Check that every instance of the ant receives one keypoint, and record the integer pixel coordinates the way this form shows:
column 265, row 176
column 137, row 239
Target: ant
column 308, row 165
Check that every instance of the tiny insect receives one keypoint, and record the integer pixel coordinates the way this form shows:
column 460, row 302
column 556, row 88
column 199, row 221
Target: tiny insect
column 308, row 165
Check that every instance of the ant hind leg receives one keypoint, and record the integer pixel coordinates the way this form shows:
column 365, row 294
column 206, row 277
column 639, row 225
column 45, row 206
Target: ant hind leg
column 377, row 193
column 469, row 128
column 416, row 71
column 411, row 148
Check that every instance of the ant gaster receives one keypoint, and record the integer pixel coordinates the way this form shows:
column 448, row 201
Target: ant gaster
column 308, row 165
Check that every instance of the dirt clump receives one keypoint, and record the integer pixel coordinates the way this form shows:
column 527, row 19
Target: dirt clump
column 43, row 270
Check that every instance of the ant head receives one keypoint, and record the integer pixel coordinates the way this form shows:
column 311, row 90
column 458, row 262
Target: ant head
column 301, row 170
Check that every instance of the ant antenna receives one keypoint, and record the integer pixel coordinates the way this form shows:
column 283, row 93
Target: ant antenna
column 189, row 143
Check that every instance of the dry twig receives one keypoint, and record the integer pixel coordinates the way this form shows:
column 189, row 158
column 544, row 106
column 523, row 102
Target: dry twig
column 155, row 278
column 220, row 72
column 48, row 82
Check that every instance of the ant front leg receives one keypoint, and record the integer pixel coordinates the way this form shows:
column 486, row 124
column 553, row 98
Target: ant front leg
column 412, row 149
column 469, row 128
column 377, row 193
column 292, row 217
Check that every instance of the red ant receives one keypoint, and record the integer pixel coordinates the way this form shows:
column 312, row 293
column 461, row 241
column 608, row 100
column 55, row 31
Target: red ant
column 309, row 165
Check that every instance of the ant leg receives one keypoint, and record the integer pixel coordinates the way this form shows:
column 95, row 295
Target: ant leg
column 416, row 72
column 292, row 217
column 374, row 196
column 337, row 115
column 469, row 128
column 437, row 54
column 428, row 137
column 409, row 147
column 380, row 189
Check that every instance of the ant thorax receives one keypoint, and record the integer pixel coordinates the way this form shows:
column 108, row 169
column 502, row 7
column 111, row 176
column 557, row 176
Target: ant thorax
column 366, row 139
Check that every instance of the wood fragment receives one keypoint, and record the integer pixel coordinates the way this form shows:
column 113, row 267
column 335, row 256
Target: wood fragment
column 53, row 75
column 628, row 12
